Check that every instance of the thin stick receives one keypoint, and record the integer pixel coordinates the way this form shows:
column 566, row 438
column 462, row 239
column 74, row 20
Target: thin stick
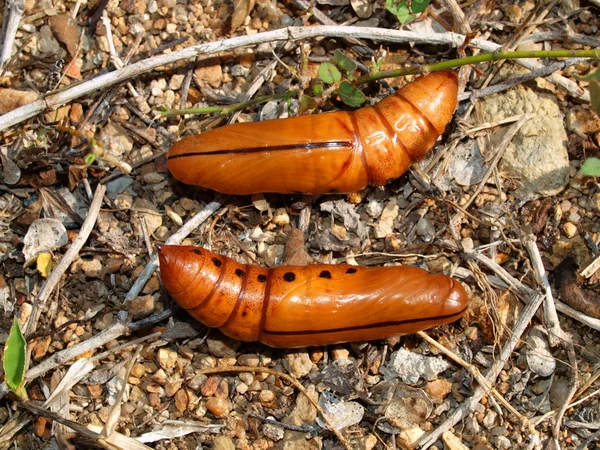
column 577, row 315
column 555, row 333
column 67, row 259
column 12, row 16
column 181, row 234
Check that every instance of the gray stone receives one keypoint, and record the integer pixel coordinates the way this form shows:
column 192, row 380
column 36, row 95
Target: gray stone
column 537, row 155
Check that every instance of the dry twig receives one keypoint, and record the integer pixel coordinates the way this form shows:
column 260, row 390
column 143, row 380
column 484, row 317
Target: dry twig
column 67, row 259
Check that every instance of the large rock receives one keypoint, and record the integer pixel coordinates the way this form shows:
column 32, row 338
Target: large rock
column 537, row 156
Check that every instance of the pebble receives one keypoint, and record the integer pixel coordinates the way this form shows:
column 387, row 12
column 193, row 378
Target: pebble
column 142, row 306
column 211, row 75
column 266, row 398
column 340, row 353
column 281, row 217
column 173, row 386
column 425, row 229
column 452, row 442
column 385, row 226
column 92, row 268
column 138, row 370
column 166, row 358
column 410, row 366
column 249, row 360
column 115, row 187
column 273, row 432
column 210, row 386
column 241, row 388
column 123, row 202
column 409, row 437
column 374, row 208
column 153, row 178
column 367, row 442
column 223, row 443
column 104, row 322
column 219, row 407
column 95, row 390
column 197, row 382
column 500, row 442
column 12, row 98
column 471, row 425
column 116, row 139
column 160, row 378
column 246, row 377
column 489, row 420
column 559, row 391
column 342, row 414
column 147, row 210
column 595, row 201
column 298, row 364
column 438, row 389
column 222, row 346
column 181, row 400
column 40, row 349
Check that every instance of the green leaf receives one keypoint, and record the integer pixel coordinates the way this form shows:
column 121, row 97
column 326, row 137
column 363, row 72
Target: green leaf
column 306, row 103
column 350, row 95
column 591, row 167
column 418, row 6
column 594, row 79
column 318, row 89
column 89, row 159
column 590, row 77
column 344, row 62
column 400, row 9
column 329, row 73
column 14, row 357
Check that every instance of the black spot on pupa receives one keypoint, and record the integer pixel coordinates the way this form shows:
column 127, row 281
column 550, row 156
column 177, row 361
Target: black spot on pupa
column 351, row 270
column 262, row 278
column 289, row 276
column 197, row 251
column 325, row 274
column 217, row 262
column 244, row 314
column 239, row 273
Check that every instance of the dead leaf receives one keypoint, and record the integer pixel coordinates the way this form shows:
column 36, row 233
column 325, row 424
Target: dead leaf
column 44, row 264
column 11, row 173
column 66, row 32
column 294, row 252
column 362, row 8
column 572, row 291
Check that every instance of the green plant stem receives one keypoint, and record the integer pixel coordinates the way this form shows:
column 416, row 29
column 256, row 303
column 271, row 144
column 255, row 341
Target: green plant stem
column 224, row 110
column 482, row 57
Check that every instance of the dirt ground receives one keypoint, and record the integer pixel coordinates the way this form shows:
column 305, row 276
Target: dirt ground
column 91, row 97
